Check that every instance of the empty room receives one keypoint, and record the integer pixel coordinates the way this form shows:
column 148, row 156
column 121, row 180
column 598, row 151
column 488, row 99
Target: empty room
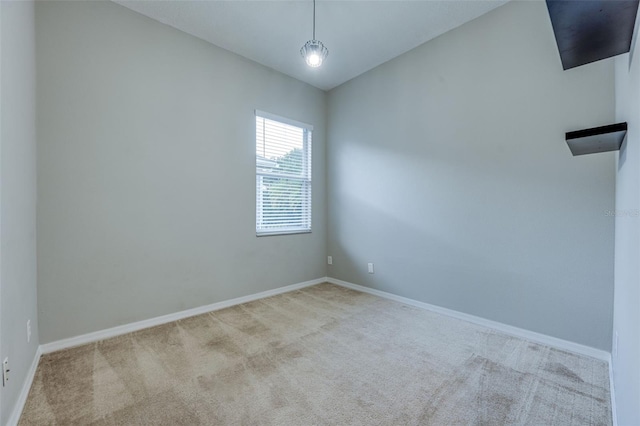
column 320, row 212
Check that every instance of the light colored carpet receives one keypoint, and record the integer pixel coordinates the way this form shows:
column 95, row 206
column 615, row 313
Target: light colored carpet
column 321, row 355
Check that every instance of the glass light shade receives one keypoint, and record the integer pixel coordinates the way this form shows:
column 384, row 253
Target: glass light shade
column 314, row 53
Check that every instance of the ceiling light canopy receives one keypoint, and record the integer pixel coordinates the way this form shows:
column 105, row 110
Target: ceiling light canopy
column 313, row 51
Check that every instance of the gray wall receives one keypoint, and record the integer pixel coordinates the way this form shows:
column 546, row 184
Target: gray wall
column 17, row 196
column 146, row 161
column 447, row 168
column 626, row 314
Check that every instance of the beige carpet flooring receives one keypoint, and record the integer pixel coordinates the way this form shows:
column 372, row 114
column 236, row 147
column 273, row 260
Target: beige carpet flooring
column 318, row 356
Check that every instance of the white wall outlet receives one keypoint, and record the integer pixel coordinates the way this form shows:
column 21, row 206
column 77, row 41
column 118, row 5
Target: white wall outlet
column 28, row 331
column 615, row 345
column 329, row 260
column 5, row 371
column 370, row 268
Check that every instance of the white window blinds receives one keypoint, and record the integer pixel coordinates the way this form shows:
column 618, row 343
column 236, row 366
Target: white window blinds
column 283, row 175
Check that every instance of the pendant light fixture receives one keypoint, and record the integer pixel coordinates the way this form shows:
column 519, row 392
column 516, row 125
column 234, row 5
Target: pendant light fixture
column 313, row 51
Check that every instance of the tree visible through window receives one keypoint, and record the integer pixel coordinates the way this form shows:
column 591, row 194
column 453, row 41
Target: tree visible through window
column 283, row 175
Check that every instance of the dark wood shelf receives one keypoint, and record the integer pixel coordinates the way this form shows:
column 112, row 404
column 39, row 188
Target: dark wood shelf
column 591, row 30
column 596, row 139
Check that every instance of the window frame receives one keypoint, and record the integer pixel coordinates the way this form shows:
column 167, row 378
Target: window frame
column 307, row 170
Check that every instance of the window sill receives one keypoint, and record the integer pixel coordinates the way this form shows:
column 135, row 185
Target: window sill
column 283, row 232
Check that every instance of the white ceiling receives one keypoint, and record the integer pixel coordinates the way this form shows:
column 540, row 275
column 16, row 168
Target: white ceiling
column 359, row 34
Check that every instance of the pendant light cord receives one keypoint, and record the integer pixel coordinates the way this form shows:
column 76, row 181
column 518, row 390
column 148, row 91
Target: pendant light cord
column 314, row 19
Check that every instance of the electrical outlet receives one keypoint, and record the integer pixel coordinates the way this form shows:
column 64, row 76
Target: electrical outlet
column 5, row 371
column 28, row 331
column 370, row 268
column 329, row 260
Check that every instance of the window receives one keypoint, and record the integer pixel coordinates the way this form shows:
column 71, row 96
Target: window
column 283, row 175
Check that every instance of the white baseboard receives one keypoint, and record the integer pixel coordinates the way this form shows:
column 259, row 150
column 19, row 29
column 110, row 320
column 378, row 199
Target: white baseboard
column 24, row 392
column 152, row 322
column 614, row 408
column 504, row 328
